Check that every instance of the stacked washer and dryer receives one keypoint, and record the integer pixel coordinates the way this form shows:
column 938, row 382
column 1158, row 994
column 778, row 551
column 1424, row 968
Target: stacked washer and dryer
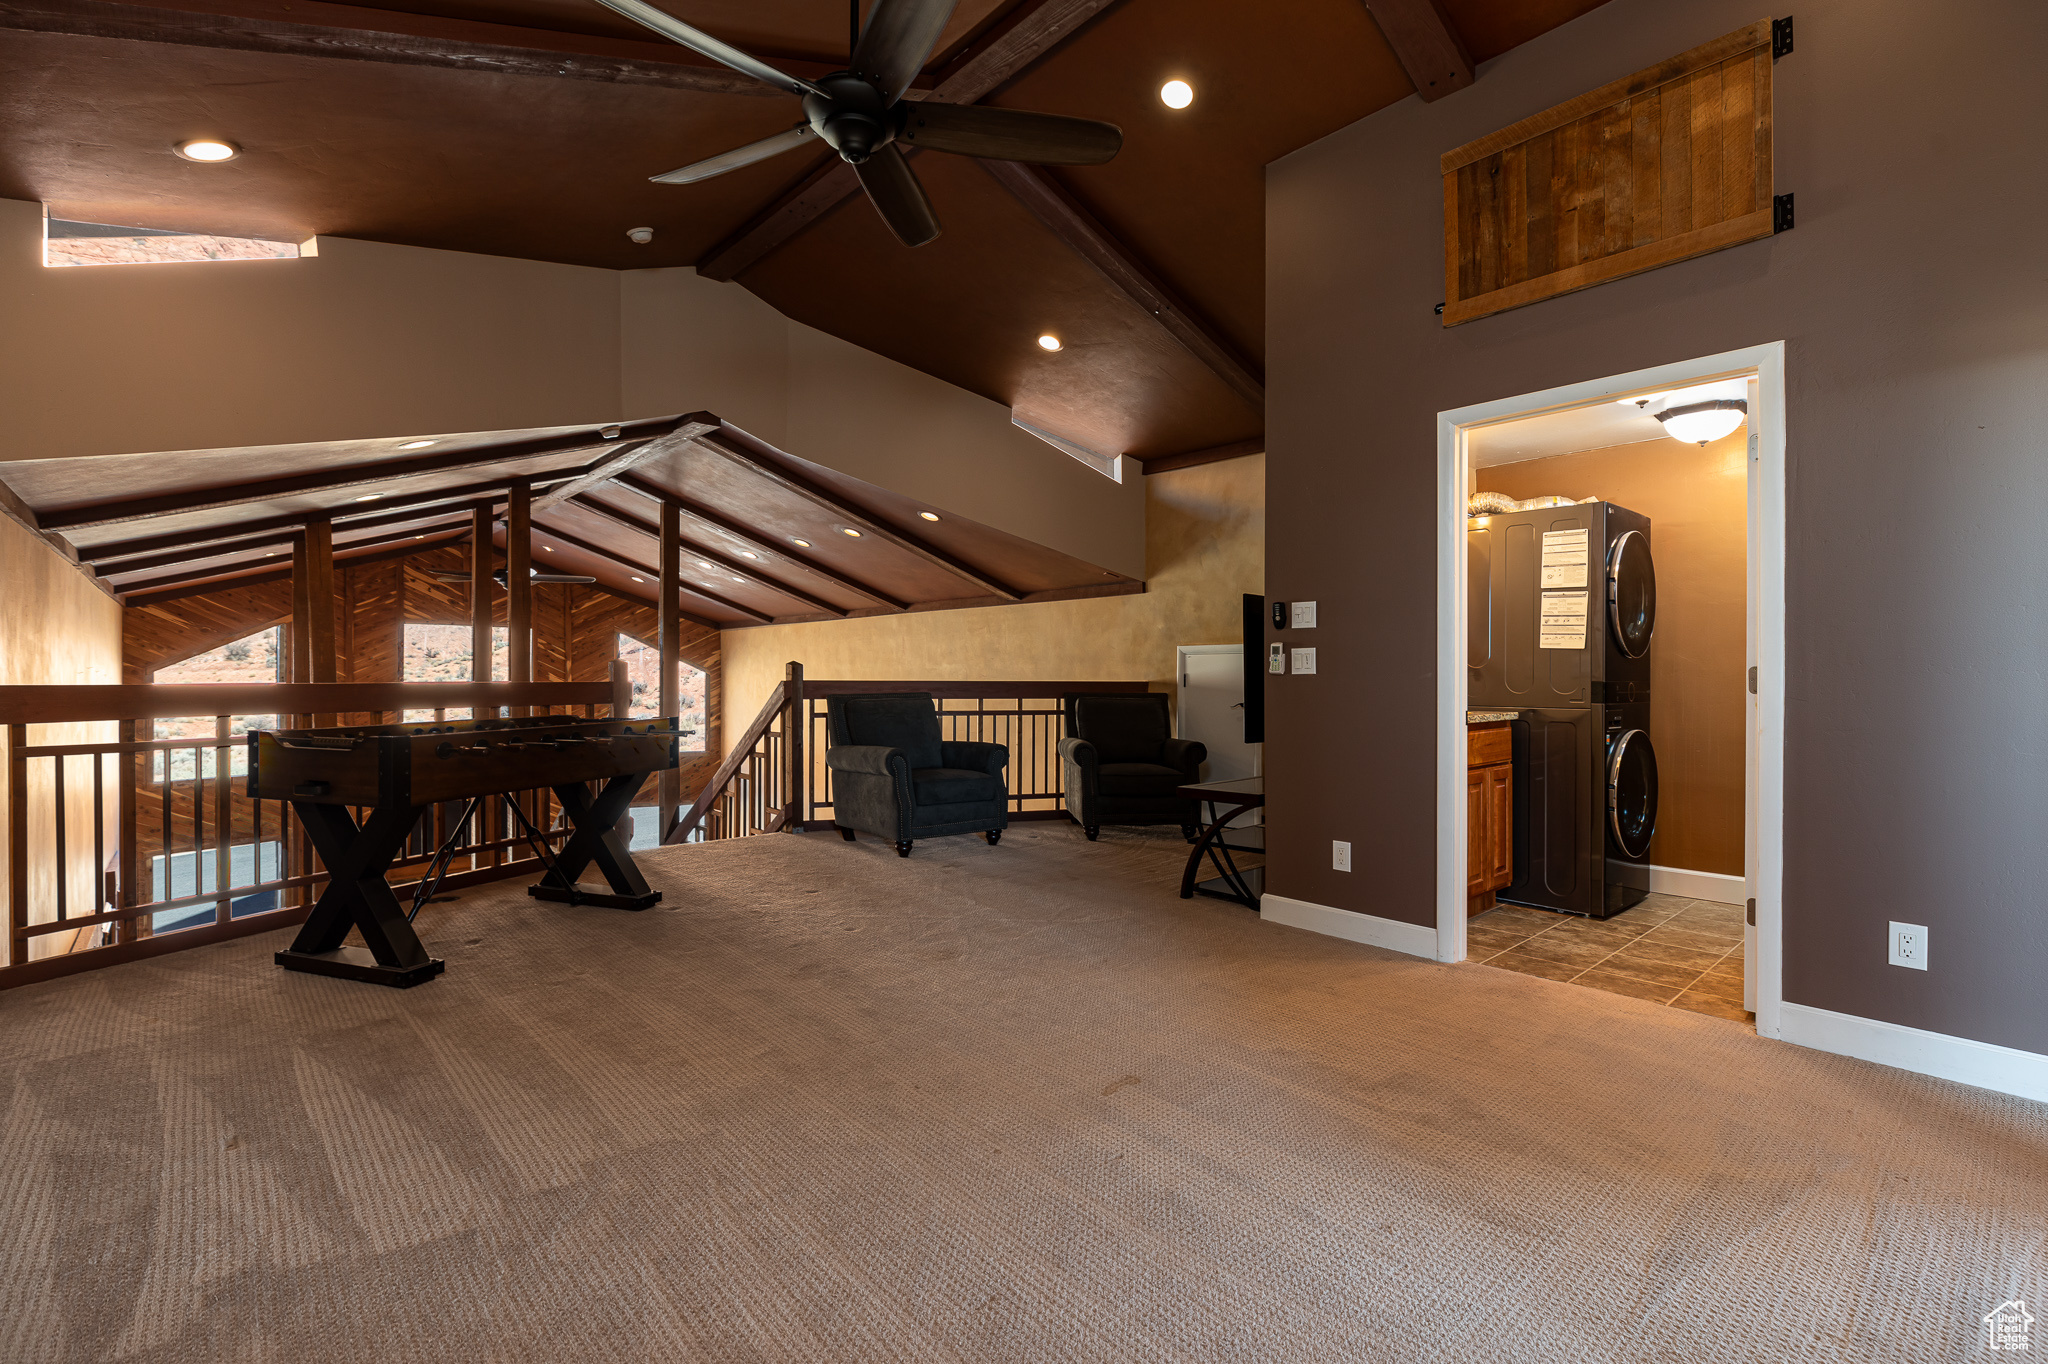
column 1563, row 603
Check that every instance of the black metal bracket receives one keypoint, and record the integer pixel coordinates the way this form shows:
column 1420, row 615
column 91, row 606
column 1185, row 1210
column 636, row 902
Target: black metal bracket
column 1781, row 213
column 1439, row 310
column 1781, row 37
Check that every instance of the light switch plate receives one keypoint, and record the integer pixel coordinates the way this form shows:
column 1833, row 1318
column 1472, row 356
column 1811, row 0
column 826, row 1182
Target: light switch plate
column 1304, row 615
column 1340, row 855
column 1909, row 946
column 1304, row 661
column 1276, row 659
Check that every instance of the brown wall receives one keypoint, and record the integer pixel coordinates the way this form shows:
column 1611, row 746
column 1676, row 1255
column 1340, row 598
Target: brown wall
column 1205, row 546
column 1695, row 499
column 1911, row 299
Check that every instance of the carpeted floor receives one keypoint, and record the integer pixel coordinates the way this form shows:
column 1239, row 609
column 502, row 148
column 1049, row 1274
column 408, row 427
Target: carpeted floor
column 1013, row 1103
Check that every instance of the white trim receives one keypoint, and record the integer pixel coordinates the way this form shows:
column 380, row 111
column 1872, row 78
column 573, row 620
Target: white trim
column 1767, row 552
column 1719, row 887
column 1417, row 940
column 1983, row 1064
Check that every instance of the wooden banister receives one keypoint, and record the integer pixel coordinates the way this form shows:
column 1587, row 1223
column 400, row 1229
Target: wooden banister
column 1004, row 690
column 45, row 705
column 741, row 751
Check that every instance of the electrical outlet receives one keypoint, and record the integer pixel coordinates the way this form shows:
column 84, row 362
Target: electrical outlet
column 1304, row 661
column 1340, row 855
column 1276, row 659
column 1304, row 615
column 1909, row 946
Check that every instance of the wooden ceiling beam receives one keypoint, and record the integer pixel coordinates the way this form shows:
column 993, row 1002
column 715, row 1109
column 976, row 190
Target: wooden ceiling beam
column 329, row 480
column 1426, row 42
column 429, row 518
column 23, row 515
column 1023, row 40
column 313, row 28
column 272, row 567
column 389, row 510
column 1215, row 454
column 748, row 535
column 1129, row 274
column 654, row 575
column 754, row 574
column 610, row 467
column 732, row 446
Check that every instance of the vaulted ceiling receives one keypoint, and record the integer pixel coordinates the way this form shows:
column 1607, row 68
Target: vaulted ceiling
column 529, row 128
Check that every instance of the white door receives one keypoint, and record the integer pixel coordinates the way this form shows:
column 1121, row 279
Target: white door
column 1751, row 794
column 1211, row 711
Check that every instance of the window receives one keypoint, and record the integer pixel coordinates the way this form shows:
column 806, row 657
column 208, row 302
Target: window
column 442, row 653
column 70, row 243
column 643, row 668
column 252, row 658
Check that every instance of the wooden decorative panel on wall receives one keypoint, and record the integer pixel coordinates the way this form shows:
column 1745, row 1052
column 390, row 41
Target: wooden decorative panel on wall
column 1669, row 163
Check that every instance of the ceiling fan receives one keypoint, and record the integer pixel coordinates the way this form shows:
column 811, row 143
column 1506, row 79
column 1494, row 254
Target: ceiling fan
column 533, row 575
column 861, row 113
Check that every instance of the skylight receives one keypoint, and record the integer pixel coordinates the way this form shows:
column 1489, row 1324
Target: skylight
column 74, row 243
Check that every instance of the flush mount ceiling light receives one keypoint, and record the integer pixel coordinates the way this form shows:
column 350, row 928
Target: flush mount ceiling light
column 850, row 532
column 929, row 516
column 1048, row 342
column 1176, row 94
column 1699, row 423
column 418, row 444
column 207, row 149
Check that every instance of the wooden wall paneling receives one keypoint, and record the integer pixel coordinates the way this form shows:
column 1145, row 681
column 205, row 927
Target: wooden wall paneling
column 1669, row 163
column 157, row 635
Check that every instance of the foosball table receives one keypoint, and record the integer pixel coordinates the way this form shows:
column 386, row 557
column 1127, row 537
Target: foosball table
column 397, row 773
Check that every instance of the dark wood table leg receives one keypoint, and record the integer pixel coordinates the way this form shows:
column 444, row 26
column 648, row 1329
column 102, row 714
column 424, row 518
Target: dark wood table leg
column 356, row 857
column 595, row 841
column 1202, row 845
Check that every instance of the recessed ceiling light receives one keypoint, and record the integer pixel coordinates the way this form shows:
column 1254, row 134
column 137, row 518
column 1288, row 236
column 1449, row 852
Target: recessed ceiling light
column 794, row 541
column 1049, row 342
column 1176, row 94
column 929, row 516
column 418, row 444
column 207, row 149
column 849, row 531
column 548, row 549
column 638, row 579
column 369, row 497
column 739, row 580
column 703, row 563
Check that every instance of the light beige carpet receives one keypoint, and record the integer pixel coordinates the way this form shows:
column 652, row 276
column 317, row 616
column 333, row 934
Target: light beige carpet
column 1015, row 1103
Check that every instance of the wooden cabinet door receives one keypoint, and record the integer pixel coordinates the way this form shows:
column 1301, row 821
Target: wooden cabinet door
column 1478, row 859
column 1499, row 800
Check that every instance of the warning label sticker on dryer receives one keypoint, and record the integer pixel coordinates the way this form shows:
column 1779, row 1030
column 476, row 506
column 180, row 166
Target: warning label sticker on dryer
column 1564, row 621
column 1564, row 558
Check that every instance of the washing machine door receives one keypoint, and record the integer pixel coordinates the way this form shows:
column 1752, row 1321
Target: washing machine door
column 1632, row 792
column 1631, row 593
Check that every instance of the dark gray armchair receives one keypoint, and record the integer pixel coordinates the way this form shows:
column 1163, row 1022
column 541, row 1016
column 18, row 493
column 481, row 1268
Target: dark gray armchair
column 1122, row 763
column 895, row 777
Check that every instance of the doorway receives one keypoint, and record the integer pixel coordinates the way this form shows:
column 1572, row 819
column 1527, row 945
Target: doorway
column 1761, row 368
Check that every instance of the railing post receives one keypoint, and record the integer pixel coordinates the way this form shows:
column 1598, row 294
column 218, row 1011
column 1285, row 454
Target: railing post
column 223, row 816
column 796, row 811
column 125, row 930
column 17, row 844
column 622, row 689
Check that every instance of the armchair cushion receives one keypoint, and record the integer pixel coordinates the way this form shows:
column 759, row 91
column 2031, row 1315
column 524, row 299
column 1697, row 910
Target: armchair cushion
column 952, row 785
column 906, row 721
column 1139, row 779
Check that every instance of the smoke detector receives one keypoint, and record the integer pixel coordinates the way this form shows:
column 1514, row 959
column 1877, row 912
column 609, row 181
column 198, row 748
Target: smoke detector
column 641, row 235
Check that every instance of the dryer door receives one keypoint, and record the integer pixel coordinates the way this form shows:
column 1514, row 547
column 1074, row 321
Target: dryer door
column 1631, row 593
column 1632, row 792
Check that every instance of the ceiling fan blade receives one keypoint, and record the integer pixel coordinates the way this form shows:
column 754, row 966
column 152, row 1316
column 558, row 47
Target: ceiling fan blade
column 1008, row 134
column 737, row 157
column 899, row 36
column 894, row 190
column 674, row 29
column 563, row 578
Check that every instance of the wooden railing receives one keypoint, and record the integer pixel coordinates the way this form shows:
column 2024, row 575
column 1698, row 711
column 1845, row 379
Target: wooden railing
column 121, row 846
column 775, row 777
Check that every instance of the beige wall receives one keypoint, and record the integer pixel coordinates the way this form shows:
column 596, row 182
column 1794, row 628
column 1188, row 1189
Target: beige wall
column 1205, row 548
column 1696, row 499
column 691, row 343
column 365, row 340
column 55, row 628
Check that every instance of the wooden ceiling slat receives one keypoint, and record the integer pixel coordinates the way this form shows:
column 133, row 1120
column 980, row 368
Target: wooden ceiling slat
column 388, row 510
column 1131, row 275
column 604, row 470
column 223, row 583
column 1028, row 37
column 261, row 562
column 324, row 480
column 592, row 547
column 1215, row 454
column 732, row 445
column 653, row 532
column 1427, row 43
column 110, row 568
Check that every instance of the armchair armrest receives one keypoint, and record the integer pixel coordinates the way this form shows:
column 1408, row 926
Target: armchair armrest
column 873, row 759
column 969, row 756
column 1186, row 754
column 1078, row 751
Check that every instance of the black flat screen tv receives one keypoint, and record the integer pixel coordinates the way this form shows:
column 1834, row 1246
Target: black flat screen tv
column 1254, row 669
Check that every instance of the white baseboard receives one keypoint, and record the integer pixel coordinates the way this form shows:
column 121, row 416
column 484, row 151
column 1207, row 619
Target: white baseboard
column 1417, row 940
column 1983, row 1064
column 1697, row 885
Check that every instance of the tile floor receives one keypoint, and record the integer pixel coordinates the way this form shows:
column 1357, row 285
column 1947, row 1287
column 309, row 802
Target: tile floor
column 1668, row 950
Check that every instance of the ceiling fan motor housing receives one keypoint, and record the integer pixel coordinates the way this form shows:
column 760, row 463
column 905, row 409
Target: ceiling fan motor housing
column 850, row 116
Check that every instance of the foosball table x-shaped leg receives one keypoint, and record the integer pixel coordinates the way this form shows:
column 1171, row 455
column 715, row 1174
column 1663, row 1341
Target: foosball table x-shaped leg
column 595, row 841
column 356, row 857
